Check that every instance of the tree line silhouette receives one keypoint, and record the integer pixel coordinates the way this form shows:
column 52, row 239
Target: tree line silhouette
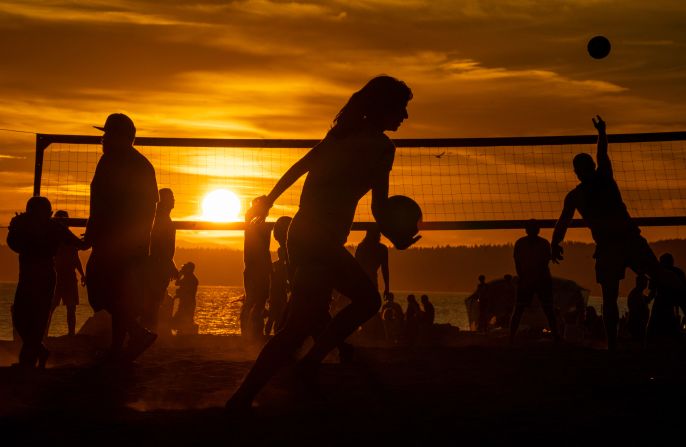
column 418, row 269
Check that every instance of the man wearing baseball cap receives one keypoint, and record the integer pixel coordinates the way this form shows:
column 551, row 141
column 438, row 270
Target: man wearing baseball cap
column 122, row 208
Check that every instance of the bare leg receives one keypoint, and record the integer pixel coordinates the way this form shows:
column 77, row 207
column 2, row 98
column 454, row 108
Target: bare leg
column 545, row 296
column 516, row 318
column 552, row 320
column 274, row 355
column 365, row 301
column 71, row 319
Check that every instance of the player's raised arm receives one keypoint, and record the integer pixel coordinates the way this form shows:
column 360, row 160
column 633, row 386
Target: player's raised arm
column 602, row 156
column 561, row 228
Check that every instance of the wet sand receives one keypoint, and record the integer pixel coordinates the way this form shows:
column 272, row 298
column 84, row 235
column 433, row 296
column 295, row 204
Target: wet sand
column 464, row 388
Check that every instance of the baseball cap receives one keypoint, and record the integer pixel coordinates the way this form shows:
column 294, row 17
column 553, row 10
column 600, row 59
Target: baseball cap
column 120, row 124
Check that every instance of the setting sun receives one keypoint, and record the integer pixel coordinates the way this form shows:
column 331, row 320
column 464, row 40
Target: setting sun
column 221, row 205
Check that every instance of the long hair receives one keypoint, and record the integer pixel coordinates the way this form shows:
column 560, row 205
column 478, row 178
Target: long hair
column 366, row 107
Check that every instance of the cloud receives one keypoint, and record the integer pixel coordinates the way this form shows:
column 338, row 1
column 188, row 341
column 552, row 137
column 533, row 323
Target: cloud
column 103, row 12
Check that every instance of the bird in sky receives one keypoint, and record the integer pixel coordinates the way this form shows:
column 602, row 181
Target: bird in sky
column 440, row 155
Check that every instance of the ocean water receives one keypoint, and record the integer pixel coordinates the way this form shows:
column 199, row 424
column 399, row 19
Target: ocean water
column 218, row 308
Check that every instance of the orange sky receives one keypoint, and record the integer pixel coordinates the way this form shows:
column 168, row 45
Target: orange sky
column 266, row 69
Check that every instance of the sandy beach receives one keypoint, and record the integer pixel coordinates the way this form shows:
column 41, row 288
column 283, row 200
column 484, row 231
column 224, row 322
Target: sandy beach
column 464, row 388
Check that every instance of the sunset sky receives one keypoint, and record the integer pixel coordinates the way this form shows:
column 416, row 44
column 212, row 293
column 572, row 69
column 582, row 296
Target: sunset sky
column 267, row 69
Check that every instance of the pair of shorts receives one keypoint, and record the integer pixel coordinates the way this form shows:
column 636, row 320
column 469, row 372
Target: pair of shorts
column 67, row 292
column 322, row 265
column 612, row 259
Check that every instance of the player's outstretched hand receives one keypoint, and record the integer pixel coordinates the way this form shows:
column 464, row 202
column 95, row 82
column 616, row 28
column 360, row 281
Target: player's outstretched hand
column 557, row 254
column 259, row 209
column 599, row 124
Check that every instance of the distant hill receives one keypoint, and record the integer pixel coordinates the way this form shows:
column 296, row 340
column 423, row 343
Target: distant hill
column 420, row 269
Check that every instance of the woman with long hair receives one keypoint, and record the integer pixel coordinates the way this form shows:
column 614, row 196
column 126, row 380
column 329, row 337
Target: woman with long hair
column 354, row 157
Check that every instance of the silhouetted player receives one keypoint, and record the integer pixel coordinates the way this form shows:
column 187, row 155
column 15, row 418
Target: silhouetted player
column 122, row 209
column 639, row 312
column 280, row 279
column 532, row 256
column 393, row 318
column 66, row 287
column 618, row 239
column 36, row 238
column 372, row 255
column 256, row 276
column 353, row 158
column 186, row 293
column 664, row 320
column 484, row 304
column 161, row 267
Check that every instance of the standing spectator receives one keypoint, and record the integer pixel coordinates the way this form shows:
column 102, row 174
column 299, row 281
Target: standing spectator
column 36, row 238
column 280, row 280
column 66, row 287
column 532, row 259
column 639, row 312
column 392, row 317
column 664, row 321
column 161, row 267
column 256, row 276
column 122, row 209
column 483, row 299
column 186, row 292
column 371, row 254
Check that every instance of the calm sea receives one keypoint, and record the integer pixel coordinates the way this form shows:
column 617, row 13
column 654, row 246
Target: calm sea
column 218, row 309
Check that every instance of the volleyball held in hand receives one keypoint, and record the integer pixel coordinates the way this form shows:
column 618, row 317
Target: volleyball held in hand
column 399, row 220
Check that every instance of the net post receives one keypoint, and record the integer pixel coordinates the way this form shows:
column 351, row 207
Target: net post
column 42, row 143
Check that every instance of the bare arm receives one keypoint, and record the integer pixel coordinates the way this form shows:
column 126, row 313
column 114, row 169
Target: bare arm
column 299, row 168
column 260, row 206
column 79, row 267
column 69, row 238
column 561, row 228
column 602, row 156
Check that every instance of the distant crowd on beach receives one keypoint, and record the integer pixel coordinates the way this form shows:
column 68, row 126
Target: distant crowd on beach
column 653, row 315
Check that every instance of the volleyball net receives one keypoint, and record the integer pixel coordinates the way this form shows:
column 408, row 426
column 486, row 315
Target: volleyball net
column 460, row 183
